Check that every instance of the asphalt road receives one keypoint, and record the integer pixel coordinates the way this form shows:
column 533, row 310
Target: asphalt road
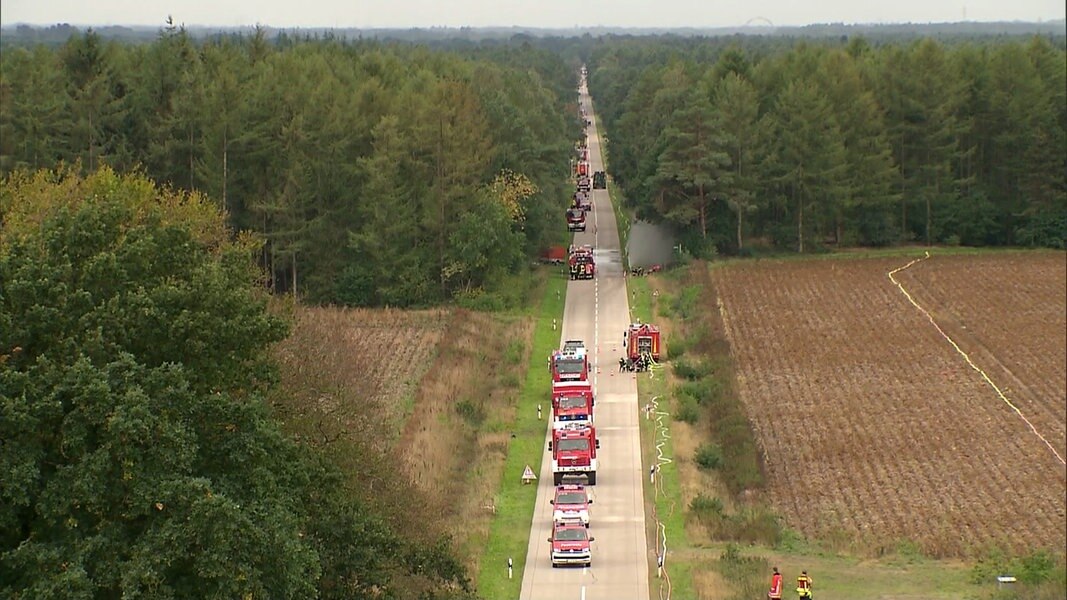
column 597, row 312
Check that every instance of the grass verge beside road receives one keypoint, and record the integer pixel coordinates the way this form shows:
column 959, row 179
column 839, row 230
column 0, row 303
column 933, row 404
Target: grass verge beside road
column 510, row 529
column 663, row 499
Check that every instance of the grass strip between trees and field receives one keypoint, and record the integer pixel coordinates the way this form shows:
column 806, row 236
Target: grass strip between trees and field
column 663, row 500
column 510, row 529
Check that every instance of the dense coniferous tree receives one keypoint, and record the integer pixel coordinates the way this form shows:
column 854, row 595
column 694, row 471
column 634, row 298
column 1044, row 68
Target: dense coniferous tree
column 275, row 131
column 744, row 140
column 811, row 156
column 958, row 141
column 693, row 171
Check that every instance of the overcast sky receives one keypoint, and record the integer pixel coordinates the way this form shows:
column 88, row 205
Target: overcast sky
column 528, row 13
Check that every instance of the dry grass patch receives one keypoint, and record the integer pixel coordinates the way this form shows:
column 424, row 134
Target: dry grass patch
column 711, row 585
column 347, row 381
column 355, row 371
column 456, row 437
column 411, row 404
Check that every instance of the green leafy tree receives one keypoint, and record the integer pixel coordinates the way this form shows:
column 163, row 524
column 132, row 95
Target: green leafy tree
column 483, row 247
column 140, row 458
column 144, row 467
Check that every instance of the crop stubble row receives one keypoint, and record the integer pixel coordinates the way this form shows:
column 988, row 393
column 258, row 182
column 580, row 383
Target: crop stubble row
column 1013, row 326
column 870, row 422
column 380, row 355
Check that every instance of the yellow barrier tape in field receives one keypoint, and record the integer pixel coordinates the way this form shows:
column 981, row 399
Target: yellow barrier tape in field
column 967, row 358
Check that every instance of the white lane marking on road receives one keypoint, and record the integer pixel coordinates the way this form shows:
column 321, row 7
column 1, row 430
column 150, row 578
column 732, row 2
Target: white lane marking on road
column 596, row 304
column 618, row 519
column 583, row 592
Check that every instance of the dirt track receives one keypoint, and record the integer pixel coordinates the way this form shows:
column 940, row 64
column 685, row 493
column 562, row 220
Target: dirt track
column 874, row 427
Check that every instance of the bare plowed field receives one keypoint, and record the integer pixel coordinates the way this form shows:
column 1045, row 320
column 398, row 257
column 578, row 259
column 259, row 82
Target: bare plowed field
column 875, row 429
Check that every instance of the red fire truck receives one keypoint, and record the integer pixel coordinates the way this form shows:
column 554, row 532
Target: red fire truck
column 575, row 219
column 569, row 365
column 574, row 453
column 572, row 402
column 642, row 339
column 582, row 263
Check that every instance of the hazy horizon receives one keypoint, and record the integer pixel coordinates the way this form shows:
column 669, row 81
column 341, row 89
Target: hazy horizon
column 544, row 14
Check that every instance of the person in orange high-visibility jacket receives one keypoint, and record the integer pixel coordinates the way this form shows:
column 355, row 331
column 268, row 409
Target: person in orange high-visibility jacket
column 775, row 592
column 804, row 586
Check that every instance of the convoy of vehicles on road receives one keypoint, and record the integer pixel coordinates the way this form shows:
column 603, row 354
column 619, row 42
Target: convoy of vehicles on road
column 574, row 443
column 582, row 264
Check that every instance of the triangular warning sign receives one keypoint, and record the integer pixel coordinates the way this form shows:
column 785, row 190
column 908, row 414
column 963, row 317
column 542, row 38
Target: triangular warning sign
column 528, row 474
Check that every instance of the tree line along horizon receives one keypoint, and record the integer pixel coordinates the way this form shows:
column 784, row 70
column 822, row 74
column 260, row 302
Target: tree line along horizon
column 142, row 454
column 377, row 173
column 809, row 145
column 384, row 173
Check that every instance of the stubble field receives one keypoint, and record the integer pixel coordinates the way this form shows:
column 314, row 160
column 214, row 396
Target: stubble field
column 875, row 430
column 358, row 368
column 415, row 406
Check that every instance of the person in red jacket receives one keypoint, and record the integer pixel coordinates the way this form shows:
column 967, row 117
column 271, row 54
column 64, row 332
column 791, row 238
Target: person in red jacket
column 775, row 592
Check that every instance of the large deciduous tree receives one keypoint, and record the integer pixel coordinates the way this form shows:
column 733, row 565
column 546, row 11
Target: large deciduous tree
column 140, row 460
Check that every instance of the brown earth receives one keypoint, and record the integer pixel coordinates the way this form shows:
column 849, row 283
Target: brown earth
column 875, row 429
